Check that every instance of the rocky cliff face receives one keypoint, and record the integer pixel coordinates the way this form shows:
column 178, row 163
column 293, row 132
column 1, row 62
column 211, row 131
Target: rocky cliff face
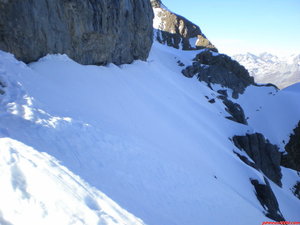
column 176, row 31
column 88, row 31
column 265, row 155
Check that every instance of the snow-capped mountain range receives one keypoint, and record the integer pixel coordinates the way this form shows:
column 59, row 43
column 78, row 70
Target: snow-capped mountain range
column 269, row 68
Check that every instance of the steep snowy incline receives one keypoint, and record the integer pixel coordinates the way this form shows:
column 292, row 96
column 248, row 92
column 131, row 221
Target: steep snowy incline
column 271, row 112
column 268, row 68
column 35, row 189
column 144, row 134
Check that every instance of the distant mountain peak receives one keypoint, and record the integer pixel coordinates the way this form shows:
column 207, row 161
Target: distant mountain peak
column 269, row 68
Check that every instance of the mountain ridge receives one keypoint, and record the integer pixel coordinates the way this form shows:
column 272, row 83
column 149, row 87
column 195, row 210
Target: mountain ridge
column 269, row 68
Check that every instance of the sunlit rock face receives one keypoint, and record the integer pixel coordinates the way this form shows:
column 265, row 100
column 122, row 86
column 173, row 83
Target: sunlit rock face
column 176, row 31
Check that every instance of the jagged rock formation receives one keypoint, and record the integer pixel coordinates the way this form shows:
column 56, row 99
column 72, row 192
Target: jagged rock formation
column 220, row 69
column 176, row 31
column 90, row 32
column 265, row 155
column 292, row 148
column 268, row 200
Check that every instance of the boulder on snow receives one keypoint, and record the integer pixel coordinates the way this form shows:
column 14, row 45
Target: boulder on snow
column 90, row 32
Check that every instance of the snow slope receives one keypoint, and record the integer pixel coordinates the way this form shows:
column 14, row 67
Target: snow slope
column 36, row 189
column 145, row 135
column 268, row 68
column 273, row 113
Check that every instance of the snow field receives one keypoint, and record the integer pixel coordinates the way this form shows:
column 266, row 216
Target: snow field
column 143, row 134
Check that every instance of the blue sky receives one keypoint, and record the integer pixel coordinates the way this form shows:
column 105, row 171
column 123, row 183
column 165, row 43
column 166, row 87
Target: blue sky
column 236, row 26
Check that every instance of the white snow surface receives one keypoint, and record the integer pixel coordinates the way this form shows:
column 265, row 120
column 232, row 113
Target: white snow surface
column 36, row 189
column 143, row 134
column 157, row 21
column 267, row 68
column 271, row 112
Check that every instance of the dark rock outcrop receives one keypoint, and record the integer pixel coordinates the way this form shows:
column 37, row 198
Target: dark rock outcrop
column 236, row 112
column 292, row 148
column 2, row 86
column 268, row 200
column 88, row 31
column 296, row 190
column 178, row 32
column 215, row 68
column 212, row 101
column 265, row 155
